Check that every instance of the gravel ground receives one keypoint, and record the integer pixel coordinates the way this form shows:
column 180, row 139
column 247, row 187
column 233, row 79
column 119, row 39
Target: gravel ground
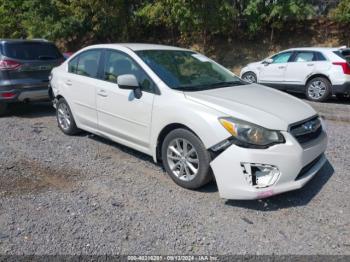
column 86, row 195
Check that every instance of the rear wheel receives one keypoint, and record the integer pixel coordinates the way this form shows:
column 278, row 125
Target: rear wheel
column 186, row 159
column 249, row 77
column 318, row 89
column 3, row 109
column 65, row 118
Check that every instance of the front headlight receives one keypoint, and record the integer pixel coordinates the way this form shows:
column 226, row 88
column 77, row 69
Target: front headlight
column 250, row 135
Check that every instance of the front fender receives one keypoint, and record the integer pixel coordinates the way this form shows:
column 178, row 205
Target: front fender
column 250, row 69
column 203, row 121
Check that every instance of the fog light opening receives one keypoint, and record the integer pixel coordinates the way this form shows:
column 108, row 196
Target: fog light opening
column 260, row 175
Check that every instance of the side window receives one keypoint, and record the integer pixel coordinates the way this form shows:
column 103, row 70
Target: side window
column 117, row 63
column 305, row 57
column 281, row 58
column 319, row 57
column 73, row 65
column 88, row 63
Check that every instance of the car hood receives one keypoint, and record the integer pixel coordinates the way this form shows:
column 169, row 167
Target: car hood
column 254, row 64
column 255, row 103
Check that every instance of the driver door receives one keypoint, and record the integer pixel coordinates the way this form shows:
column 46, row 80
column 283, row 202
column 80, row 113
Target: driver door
column 274, row 73
column 121, row 115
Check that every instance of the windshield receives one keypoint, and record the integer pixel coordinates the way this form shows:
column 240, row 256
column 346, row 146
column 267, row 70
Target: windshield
column 188, row 71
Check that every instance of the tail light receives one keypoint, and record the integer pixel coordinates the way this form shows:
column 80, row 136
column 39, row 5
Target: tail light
column 9, row 65
column 7, row 95
column 345, row 66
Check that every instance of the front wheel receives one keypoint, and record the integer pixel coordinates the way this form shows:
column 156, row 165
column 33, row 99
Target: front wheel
column 186, row 159
column 318, row 89
column 249, row 77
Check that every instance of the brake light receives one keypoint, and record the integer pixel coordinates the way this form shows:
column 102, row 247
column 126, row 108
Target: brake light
column 9, row 65
column 7, row 95
column 345, row 66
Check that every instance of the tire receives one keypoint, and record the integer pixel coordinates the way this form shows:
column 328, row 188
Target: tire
column 250, row 77
column 3, row 109
column 318, row 89
column 343, row 97
column 180, row 167
column 65, row 119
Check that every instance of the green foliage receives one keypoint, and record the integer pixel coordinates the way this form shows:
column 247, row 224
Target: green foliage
column 10, row 19
column 342, row 12
column 275, row 13
column 190, row 16
column 81, row 22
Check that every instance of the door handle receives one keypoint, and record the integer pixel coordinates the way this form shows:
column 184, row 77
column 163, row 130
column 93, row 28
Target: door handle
column 68, row 82
column 281, row 67
column 102, row 93
column 310, row 64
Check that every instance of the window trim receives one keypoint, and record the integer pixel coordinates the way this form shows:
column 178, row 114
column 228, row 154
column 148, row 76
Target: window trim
column 79, row 55
column 156, row 90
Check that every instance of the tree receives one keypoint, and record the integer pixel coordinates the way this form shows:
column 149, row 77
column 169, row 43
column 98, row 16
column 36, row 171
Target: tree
column 342, row 12
column 190, row 17
column 275, row 13
column 11, row 14
column 77, row 21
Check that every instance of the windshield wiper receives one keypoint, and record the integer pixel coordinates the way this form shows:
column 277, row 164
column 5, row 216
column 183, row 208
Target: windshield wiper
column 226, row 84
column 210, row 86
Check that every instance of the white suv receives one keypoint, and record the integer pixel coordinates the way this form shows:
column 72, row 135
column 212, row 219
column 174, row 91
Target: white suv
column 194, row 115
column 317, row 72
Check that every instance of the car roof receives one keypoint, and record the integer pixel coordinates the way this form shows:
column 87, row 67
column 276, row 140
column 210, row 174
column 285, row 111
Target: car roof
column 4, row 40
column 320, row 49
column 140, row 46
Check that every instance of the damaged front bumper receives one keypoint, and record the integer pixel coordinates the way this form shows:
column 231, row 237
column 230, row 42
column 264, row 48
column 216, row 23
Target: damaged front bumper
column 243, row 173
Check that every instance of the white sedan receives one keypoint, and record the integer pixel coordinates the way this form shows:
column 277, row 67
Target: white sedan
column 195, row 116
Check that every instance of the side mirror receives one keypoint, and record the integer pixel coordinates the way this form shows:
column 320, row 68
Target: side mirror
column 127, row 82
column 268, row 61
column 130, row 82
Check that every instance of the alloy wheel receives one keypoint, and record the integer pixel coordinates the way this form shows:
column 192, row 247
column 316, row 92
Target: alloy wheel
column 249, row 77
column 64, row 117
column 183, row 159
column 317, row 89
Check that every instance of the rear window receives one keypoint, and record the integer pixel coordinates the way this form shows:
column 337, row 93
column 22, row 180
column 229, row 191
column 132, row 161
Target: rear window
column 31, row 51
column 345, row 54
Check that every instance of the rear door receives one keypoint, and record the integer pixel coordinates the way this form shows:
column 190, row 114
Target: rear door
column 35, row 60
column 303, row 65
column 80, row 84
column 274, row 73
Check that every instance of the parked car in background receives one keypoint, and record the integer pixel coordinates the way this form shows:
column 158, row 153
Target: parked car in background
column 25, row 66
column 317, row 72
column 194, row 115
column 67, row 54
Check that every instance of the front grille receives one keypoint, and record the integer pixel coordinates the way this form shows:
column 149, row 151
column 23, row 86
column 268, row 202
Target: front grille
column 307, row 168
column 307, row 130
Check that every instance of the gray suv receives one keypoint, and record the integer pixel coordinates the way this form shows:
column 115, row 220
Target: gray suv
column 25, row 66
